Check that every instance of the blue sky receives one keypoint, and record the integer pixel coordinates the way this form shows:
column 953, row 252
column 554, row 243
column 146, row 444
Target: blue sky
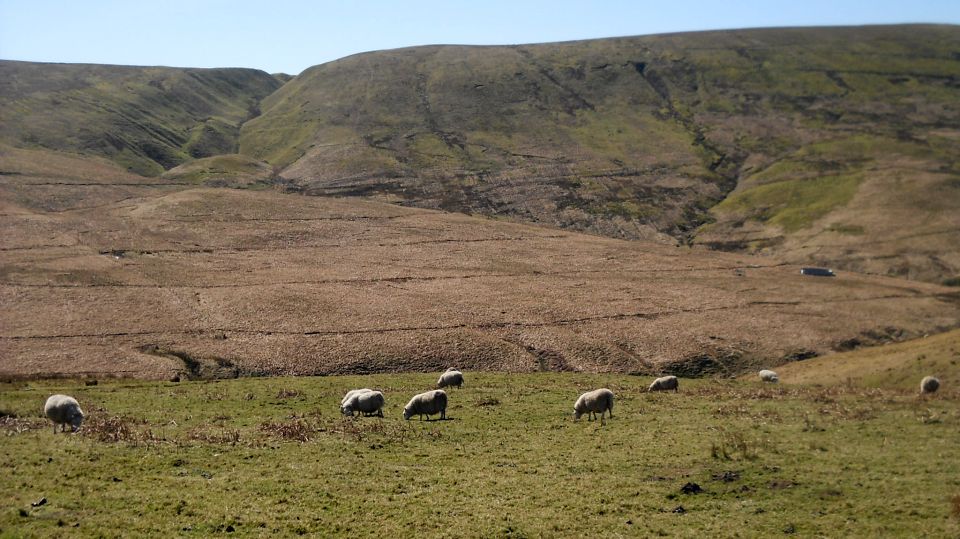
column 289, row 35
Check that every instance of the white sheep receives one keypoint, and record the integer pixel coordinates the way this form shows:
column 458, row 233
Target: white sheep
column 665, row 383
column 429, row 403
column 452, row 377
column 367, row 402
column 592, row 402
column 929, row 384
column 769, row 376
column 63, row 410
column 350, row 394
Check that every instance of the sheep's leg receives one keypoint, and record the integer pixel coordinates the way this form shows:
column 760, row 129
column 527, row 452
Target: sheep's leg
column 443, row 414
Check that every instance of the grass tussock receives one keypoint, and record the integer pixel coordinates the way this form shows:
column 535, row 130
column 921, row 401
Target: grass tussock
column 223, row 436
column 116, row 429
column 288, row 393
column 733, row 445
column 296, row 430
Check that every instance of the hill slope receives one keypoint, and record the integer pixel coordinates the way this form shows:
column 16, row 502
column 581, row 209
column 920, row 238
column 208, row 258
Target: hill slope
column 110, row 273
column 900, row 365
column 147, row 119
column 828, row 146
column 837, row 145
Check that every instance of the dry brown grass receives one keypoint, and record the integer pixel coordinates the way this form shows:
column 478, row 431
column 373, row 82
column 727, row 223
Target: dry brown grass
column 288, row 393
column 10, row 424
column 224, row 436
column 898, row 367
column 360, row 430
column 237, row 278
column 116, row 429
column 294, row 429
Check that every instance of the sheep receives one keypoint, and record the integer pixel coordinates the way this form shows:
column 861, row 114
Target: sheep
column 62, row 410
column 428, row 403
column 350, row 394
column 598, row 400
column 366, row 402
column 769, row 376
column 665, row 383
column 452, row 377
column 929, row 384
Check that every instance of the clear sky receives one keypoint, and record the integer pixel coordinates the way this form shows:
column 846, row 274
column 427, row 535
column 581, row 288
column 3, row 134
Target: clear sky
column 290, row 35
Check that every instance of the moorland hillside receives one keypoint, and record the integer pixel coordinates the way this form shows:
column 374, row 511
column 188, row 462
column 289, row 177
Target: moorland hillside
column 831, row 146
column 104, row 272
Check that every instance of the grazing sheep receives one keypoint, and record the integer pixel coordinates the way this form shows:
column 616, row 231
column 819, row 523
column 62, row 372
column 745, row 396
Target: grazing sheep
column 598, row 400
column 429, row 403
column 929, row 384
column 350, row 394
column 367, row 402
column 62, row 410
column 769, row 376
column 452, row 377
column 665, row 383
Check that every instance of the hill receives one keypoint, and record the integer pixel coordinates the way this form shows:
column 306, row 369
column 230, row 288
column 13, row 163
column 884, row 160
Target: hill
column 833, row 146
column 107, row 273
column 827, row 146
column 147, row 119
column 901, row 365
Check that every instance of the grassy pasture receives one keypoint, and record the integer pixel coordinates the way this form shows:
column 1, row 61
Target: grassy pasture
column 272, row 456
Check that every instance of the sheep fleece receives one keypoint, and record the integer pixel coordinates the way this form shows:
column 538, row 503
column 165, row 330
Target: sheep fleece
column 596, row 401
column 63, row 410
column 428, row 403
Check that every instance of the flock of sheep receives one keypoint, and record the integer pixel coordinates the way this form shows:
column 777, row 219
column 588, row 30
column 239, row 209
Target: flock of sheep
column 369, row 402
column 63, row 410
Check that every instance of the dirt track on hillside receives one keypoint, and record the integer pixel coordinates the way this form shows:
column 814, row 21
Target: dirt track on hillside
column 208, row 282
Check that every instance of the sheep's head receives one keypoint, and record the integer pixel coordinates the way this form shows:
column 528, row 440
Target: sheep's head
column 346, row 409
column 407, row 413
column 76, row 419
column 576, row 414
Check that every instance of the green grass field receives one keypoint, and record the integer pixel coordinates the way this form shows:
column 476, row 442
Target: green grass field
column 272, row 456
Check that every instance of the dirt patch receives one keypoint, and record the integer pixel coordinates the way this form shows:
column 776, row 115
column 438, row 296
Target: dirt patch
column 196, row 368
